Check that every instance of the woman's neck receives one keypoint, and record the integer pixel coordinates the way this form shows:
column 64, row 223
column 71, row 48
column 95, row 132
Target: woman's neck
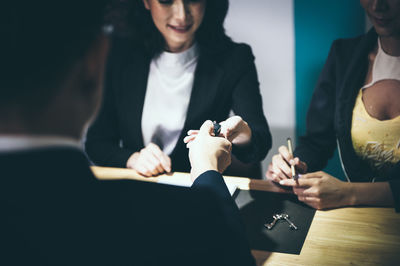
column 178, row 48
column 391, row 45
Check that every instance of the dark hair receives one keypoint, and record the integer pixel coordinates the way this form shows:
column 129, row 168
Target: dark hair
column 41, row 40
column 210, row 34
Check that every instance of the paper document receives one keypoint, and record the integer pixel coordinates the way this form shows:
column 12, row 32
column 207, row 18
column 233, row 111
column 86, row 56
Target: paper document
column 188, row 183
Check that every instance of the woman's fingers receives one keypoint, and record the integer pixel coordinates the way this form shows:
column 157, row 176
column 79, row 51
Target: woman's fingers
column 190, row 138
column 151, row 164
column 163, row 161
column 300, row 165
column 143, row 169
column 192, row 132
column 284, row 152
column 151, row 160
column 270, row 174
column 311, row 201
column 280, row 167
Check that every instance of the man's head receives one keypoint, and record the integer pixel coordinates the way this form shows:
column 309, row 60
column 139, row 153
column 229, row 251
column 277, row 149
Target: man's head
column 51, row 68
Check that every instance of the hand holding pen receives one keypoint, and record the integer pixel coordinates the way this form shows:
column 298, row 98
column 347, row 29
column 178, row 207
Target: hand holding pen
column 284, row 165
column 295, row 175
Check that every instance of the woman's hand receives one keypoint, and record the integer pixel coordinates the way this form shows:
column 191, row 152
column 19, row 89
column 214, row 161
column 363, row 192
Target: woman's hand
column 234, row 129
column 279, row 168
column 150, row 161
column 321, row 190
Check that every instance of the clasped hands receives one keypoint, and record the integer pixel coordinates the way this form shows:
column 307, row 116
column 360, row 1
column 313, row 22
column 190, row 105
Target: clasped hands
column 318, row 190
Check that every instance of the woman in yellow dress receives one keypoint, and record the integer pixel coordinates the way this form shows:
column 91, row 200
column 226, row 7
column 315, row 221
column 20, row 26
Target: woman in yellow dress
column 356, row 107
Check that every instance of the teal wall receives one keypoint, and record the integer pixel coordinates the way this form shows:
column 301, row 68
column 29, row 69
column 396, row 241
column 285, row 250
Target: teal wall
column 317, row 24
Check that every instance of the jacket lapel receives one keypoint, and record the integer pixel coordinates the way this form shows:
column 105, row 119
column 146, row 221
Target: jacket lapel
column 134, row 79
column 208, row 77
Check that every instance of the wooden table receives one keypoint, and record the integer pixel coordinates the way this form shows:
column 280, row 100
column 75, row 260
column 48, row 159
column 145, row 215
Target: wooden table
column 351, row 236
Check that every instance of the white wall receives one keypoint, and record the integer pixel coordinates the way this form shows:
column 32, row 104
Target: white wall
column 268, row 27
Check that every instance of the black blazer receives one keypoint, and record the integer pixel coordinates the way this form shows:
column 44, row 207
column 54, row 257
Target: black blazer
column 57, row 215
column 225, row 79
column 329, row 117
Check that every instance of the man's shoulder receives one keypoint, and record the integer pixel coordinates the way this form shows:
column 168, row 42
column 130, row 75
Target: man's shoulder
column 41, row 165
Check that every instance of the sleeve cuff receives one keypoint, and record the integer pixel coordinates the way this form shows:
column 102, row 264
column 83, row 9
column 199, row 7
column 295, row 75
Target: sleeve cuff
column 212, row 181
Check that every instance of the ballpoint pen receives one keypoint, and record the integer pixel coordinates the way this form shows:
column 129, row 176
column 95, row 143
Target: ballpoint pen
column 295, row 176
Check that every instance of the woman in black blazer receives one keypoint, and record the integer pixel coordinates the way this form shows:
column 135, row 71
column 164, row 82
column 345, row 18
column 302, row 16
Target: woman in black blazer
column 348, row 83
column 224, row 79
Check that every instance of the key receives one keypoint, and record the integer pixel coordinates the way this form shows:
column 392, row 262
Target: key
column 276, row 218
column 291, row 224
column 217, row 129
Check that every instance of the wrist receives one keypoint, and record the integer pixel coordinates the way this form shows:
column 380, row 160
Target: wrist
column 199, row 169
column 351, row 191
column 248, row 133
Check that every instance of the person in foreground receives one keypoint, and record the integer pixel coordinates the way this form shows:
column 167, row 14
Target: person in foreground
column 356, row 104
column 54, row 211
column 176, row 69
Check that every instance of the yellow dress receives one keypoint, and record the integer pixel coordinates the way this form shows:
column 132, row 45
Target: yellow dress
column 374, row 140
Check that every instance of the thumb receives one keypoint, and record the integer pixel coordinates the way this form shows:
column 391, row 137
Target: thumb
column 207, row 128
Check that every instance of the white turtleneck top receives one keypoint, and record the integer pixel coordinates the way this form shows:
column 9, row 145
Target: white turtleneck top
column 169, row 87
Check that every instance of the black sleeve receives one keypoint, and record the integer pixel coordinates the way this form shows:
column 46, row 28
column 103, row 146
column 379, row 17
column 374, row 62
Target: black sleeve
column 102, row 143
column 247, row 103
column 236, row 247
column 319, row 142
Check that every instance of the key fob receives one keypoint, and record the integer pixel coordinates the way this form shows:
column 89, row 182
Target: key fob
column 217, row 129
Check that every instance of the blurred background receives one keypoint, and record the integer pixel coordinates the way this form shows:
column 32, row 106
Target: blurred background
column 291, row 40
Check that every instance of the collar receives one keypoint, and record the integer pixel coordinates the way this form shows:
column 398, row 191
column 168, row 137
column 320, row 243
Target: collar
column 168, row 59
column 9, row 143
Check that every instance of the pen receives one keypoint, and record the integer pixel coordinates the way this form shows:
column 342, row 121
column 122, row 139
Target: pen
column 294, row 174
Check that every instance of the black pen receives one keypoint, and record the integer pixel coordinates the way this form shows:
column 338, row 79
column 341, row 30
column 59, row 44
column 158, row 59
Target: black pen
column 294, row 174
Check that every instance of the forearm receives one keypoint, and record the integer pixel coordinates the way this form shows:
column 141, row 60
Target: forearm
column 373, row 194
column 233, row 234
column 258, row 147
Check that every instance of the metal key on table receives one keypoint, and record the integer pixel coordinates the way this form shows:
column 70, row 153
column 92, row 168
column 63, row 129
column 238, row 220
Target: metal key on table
column 291, row 224
column 276, row 218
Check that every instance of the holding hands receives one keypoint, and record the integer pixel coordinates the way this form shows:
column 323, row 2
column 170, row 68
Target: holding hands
column 150, row 161
column 234, row 129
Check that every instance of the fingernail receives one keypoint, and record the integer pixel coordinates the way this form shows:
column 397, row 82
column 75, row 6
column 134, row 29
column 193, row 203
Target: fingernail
column 300, row 175
column 282, row 182
column 291, row 161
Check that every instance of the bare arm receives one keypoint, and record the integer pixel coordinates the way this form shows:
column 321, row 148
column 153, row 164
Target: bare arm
column 376, row 194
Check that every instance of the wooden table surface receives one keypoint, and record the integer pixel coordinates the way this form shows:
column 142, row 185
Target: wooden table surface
column 351, row 236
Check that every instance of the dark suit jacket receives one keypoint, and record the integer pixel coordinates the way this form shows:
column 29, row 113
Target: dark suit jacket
column 329, row 117
column 225, row 79
column 54, row 212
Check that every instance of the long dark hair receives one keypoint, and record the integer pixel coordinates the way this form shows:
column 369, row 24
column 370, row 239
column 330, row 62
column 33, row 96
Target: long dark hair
column 144, row 33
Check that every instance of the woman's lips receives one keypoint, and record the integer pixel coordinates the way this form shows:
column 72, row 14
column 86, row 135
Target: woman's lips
column 382, row 21
column 180, row 29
